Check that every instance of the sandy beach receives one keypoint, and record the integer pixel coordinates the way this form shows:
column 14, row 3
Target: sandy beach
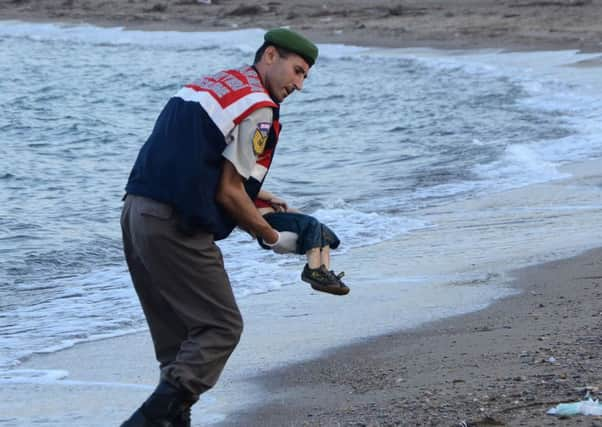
column 516, row 24
column 504, row 365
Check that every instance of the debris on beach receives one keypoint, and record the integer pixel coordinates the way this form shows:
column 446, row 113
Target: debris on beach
column 584, row 407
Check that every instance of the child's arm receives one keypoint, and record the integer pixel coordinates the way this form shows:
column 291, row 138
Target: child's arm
column 278, row 204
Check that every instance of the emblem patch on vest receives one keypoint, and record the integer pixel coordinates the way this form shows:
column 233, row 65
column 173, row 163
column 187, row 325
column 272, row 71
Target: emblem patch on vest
column 260, row 137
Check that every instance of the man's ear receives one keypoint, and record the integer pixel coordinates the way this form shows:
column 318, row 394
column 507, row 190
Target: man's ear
column 270, row 55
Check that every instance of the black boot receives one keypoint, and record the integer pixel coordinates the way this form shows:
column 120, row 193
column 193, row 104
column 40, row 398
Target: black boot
column 166, row 407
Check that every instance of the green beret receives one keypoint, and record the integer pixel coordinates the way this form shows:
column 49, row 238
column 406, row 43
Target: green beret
column 294, row 42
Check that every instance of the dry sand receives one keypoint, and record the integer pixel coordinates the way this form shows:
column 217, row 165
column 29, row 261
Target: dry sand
column 515, row 24
column 505, row 365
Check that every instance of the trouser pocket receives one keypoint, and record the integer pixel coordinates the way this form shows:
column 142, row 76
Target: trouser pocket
column 152, row 208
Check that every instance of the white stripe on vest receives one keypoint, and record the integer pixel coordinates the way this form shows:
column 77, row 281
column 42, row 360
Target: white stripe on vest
column 224, row 118
column 259, row 171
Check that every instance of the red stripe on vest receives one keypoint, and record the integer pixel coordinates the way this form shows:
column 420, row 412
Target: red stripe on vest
column 254, row 107
column 222, row 87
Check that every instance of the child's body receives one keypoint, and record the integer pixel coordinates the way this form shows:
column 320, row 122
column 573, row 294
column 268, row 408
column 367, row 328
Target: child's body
column 315, row 240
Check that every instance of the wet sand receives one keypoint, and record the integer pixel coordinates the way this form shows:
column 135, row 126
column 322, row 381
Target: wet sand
column 505, row 365
column 512, row 24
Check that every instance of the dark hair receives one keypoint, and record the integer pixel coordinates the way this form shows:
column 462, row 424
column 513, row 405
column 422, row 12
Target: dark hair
column 281, row 51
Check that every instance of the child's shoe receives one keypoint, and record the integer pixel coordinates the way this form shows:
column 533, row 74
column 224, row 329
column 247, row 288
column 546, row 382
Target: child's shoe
column 321, row 279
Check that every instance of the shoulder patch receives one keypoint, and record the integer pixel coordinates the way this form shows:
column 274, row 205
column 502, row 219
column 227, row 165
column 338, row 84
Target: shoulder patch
column 260, row 137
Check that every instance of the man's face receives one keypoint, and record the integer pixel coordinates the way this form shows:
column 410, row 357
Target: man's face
column 284, row 75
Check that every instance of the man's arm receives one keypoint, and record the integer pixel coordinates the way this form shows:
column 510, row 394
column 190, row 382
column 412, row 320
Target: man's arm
column 231, row 195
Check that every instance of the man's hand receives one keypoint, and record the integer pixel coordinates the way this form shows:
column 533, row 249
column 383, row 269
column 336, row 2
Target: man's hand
column 278, row 204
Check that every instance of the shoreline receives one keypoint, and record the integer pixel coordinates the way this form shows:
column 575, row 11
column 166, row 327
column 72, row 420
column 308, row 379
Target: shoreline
column 351, row 370
column 421, row 372
column 459, row 24
column 507, row 363
column 504, row 365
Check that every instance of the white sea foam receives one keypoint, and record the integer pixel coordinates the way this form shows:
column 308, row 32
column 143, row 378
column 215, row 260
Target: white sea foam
column 58, row 376
column 554, row 89
column 83, row 308
column 554, row 85
column 519, row 165
column 246, row 40
column 358, row 229
column 82, row 33
column 32, row 376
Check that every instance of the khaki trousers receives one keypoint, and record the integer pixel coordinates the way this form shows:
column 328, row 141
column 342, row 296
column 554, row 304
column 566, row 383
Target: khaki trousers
column 184, row 292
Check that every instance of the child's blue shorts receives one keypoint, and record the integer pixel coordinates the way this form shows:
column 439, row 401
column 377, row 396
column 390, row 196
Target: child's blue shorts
column 312, row 233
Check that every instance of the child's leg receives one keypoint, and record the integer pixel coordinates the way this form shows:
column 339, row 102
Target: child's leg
column 325, row 256
column 318, row 256
column 314, row 258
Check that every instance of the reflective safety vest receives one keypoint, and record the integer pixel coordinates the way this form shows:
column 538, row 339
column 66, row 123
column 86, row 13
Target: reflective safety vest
column 181, row 161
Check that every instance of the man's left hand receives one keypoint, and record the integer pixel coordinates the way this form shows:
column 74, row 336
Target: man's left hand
column 278, row 204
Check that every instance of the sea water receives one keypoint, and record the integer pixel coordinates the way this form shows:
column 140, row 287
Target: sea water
column 375, row 143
